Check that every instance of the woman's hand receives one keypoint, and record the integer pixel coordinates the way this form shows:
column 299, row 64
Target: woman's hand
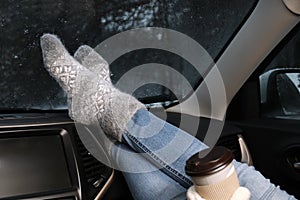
column 241, row 193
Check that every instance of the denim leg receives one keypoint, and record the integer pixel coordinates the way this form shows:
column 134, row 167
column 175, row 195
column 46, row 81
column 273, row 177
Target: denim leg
column 163, row 144
column 145, row 185
column 258, row 185
column 160, row 145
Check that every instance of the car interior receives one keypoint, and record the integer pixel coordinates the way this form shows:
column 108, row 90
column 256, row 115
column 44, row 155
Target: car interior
column 254, row 45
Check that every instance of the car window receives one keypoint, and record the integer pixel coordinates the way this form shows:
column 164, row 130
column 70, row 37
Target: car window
column 280, row 82
column 25, row 84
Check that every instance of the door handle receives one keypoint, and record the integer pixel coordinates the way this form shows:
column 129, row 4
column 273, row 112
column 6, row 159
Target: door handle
column 246, row 156
column 297, row 165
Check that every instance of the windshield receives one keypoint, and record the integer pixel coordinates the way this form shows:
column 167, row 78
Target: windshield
column 26, row 85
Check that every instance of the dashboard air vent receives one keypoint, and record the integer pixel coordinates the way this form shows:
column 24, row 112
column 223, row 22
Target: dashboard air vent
column 95, row 173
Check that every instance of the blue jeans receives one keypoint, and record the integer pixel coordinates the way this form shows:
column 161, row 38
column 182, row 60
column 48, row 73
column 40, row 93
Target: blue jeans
column 153, row 158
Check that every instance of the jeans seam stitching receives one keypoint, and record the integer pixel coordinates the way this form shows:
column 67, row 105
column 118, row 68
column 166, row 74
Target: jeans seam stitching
column 159, row 161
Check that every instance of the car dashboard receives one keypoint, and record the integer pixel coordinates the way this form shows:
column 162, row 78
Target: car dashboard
column 42, row 157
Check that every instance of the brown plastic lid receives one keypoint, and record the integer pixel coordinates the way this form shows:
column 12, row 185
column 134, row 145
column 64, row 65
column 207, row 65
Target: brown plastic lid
column 208, row 161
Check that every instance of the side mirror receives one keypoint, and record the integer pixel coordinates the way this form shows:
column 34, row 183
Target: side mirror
column 280, row 92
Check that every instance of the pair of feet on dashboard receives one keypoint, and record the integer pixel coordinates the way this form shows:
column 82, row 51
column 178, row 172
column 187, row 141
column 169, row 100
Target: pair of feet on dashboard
column 86, row 79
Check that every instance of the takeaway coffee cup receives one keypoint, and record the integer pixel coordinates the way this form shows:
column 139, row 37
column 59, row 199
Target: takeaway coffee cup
column 213, row 173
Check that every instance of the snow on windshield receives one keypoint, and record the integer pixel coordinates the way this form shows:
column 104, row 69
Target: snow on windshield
column 25, row 84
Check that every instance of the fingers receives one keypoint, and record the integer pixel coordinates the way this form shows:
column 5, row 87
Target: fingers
column 192, row 194
column 241, row 193
column 90, row 59
column 61, row 66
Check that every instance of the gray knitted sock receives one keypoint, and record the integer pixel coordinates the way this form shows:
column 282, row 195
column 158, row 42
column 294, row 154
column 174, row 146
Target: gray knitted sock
column 90, row 59
column 91, row 98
